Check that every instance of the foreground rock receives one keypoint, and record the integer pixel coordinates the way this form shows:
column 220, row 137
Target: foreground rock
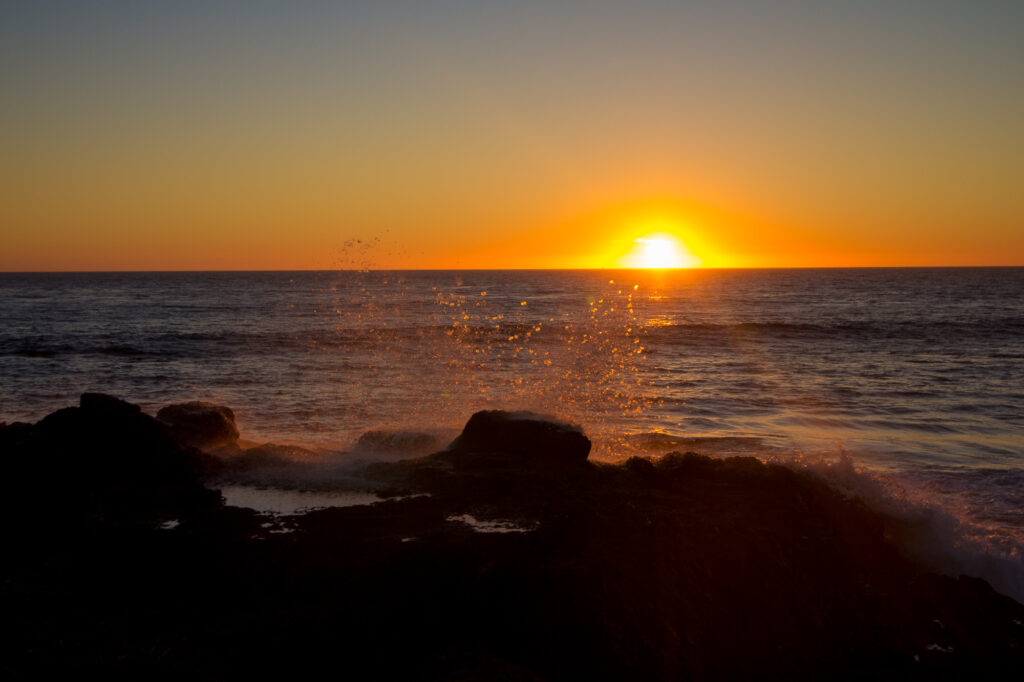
column 527, row 437
column 682, row 567
column 103, row 459
column 201, row 425
column 520, row 439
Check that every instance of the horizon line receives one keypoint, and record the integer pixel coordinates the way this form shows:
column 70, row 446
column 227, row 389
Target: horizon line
column 615, row 269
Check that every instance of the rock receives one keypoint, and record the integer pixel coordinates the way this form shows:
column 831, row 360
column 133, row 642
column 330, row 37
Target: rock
column 96, row 403
column 104, row 461
column 521, row 437
column 199, row 424
column 640, row 466
column 14, row 433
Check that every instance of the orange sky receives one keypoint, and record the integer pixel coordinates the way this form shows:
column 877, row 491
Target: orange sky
column 481, row 135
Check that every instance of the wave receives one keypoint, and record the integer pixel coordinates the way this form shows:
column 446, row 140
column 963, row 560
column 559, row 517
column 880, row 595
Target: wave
column 167, row 345
column 376, row 331
column 936, row 530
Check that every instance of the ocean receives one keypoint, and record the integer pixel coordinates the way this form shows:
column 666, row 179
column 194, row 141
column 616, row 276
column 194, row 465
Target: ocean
column 902, row 386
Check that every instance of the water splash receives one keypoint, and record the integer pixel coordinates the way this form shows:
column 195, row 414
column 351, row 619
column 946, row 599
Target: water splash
column 945, row 531
column 430, row 354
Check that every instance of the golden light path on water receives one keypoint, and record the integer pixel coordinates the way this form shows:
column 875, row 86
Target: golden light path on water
column 480, row 347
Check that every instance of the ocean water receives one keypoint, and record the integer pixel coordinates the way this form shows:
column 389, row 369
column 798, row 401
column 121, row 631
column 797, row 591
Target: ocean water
column 905, row 384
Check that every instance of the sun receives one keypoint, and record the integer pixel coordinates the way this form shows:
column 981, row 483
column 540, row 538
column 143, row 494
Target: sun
column 660, row 250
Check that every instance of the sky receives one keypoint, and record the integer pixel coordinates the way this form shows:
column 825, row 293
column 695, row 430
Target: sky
column 478, row 134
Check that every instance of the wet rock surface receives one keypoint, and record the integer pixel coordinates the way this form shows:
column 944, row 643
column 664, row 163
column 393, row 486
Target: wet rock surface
column 497, row 437
column 104, row 459
column 680, row 567
column 200, row 424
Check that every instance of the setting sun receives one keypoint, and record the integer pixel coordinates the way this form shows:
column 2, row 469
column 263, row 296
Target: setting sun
column 659, row 251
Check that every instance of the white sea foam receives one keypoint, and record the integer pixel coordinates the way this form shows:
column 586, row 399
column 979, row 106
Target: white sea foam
column 942, row 531
column 493, row 526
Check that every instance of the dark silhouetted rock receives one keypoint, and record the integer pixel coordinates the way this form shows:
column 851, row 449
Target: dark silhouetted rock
column 97, row 403
column 105, row 459
column 520, row 438
column 200, row 424
column 640, row 465
column 14, row 433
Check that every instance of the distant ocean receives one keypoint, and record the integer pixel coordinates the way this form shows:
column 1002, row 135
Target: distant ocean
column 902, row 384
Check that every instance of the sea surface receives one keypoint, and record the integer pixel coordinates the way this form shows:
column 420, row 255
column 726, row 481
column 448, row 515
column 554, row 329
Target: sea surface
column 905, row 385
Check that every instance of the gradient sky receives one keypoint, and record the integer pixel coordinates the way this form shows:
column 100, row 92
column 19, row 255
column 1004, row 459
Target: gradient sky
column 475, row 134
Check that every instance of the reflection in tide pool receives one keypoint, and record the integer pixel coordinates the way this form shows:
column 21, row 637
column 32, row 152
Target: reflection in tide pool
column 497, row 526
column 288, row 502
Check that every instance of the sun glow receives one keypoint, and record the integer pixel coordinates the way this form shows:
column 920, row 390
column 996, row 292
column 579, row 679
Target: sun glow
column 659, row 251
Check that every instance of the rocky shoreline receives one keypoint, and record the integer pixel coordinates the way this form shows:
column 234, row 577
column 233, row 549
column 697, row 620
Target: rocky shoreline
column 123, row 561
